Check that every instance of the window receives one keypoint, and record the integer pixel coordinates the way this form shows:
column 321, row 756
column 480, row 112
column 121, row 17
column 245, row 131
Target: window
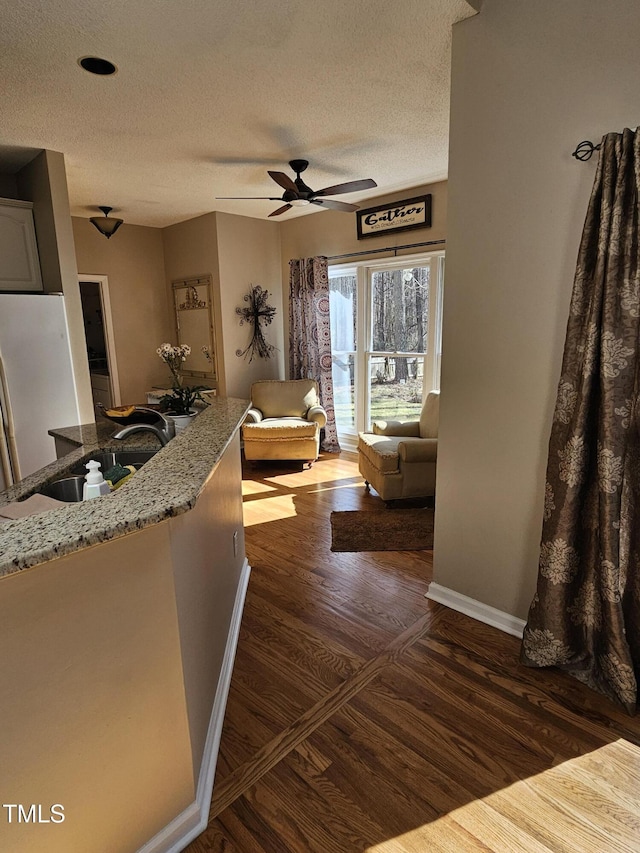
column 343, row 304
column 386, row 323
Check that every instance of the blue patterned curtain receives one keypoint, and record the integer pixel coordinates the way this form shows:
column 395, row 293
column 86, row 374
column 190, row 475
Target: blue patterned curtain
column 310, row 335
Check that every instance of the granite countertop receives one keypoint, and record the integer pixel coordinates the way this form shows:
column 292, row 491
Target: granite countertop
column 167, row 485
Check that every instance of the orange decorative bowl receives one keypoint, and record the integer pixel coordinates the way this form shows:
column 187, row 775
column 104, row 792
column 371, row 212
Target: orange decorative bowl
column 125, row 415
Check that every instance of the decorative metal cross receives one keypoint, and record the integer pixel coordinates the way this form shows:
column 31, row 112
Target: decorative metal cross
column 255, row 313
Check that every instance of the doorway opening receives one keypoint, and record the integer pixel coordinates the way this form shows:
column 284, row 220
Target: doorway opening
column 98, row 329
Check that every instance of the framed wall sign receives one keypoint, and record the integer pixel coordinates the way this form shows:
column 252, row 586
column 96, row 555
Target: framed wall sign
column 397, row 216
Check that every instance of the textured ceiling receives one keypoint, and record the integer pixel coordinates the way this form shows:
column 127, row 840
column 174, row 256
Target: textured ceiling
column 210, row 94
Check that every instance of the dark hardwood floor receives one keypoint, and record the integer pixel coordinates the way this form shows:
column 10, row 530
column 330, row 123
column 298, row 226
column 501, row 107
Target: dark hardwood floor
column 362, row 717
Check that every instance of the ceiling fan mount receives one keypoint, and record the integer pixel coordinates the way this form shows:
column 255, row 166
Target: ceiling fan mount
column 297, row 193
column 298, row 166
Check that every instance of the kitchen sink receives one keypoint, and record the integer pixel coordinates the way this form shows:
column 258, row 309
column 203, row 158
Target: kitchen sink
column 69, row 488
column 109, row 458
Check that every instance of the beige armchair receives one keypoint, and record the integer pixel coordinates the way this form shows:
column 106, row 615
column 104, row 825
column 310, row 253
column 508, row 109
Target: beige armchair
column 284, row 420
column 399, row 458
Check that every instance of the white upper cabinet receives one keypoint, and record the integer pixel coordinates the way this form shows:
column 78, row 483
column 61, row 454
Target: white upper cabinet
column 19, row 261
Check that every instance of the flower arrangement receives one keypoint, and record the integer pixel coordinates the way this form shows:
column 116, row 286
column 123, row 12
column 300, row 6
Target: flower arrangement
column 173, row 358
column 182, row 397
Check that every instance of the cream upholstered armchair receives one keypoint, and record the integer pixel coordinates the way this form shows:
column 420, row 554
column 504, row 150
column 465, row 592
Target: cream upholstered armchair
column 284, row 420
column 399, row 458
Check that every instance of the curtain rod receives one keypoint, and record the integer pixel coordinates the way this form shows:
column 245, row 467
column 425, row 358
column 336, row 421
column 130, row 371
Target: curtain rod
column 393, row 249
column 585, row 149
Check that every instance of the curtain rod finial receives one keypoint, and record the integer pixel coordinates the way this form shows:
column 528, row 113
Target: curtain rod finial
column 585, row 150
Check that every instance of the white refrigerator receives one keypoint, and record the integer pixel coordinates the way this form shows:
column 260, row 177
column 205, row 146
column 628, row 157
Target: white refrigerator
column 37, row 386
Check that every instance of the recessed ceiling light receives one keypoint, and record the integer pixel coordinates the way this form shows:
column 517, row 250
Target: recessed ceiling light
column 95, row 65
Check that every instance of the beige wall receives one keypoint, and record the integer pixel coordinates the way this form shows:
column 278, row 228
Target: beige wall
column 206, row 589
column 249, row 254
column 140, row 264
column 529, row 81
column 133, row 261
column 191, row 249
column 115, row 659
column 237, row 251
column 332, row 233
column 93, row 710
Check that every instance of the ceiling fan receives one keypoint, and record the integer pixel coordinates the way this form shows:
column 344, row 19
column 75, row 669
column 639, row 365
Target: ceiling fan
column 297, row 193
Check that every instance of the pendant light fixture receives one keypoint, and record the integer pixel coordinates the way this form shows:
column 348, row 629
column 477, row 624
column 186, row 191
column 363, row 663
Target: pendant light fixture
column 107, row 226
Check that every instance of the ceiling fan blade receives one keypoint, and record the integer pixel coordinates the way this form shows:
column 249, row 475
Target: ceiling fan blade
column 280, row 210
column 249, row 197
column 334, row 205
column 284, row 180
column 348, row 187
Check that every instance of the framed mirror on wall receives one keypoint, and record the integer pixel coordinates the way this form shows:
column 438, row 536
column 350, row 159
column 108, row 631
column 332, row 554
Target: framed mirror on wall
column 193, row 308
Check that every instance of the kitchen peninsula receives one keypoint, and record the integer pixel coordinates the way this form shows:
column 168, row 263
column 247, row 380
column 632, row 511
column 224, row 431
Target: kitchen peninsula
column 118, row 624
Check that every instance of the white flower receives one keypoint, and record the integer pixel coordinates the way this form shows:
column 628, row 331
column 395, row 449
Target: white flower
column 173, row 357
column 573, row 461
column 620, row 676
column 610, row 581
column 625, row 413
column 565, row 402
column 586, row 609
column 543, row 648
column 614, row 355
column 558, row 561
column 629, row 297
column 609, row 470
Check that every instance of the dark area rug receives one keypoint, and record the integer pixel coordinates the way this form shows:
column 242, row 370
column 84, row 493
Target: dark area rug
column 382, row 530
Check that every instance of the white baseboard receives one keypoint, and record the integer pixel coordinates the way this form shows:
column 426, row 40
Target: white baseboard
column 476, row 609
column 194, row 819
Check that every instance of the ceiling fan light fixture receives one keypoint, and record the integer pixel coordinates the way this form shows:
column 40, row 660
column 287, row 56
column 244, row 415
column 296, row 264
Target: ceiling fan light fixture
column 298, row 194
column 107, row 226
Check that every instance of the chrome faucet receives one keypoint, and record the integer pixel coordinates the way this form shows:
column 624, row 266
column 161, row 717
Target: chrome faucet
column 163, row 432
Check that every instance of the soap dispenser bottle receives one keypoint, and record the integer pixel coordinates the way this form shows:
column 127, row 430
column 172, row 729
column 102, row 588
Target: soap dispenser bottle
column 95, row 484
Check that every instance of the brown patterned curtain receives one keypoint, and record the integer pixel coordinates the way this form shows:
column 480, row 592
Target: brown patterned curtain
column 310, row 335
column 585, row 616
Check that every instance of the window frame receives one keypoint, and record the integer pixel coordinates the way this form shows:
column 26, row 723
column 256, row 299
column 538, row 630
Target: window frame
column 363, row 272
